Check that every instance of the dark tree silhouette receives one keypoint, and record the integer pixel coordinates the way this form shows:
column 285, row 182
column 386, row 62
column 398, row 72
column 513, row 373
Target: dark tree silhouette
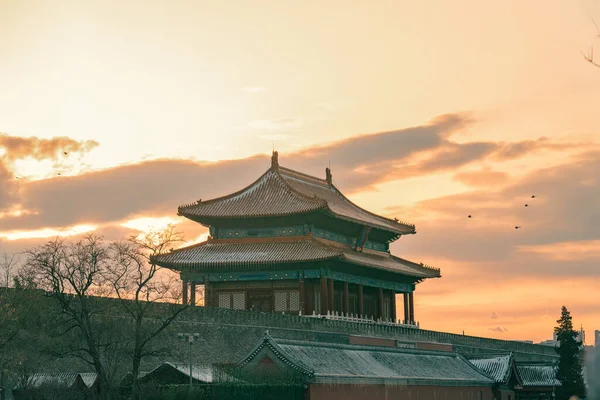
column 71, row 274
column 569, row 368
column 147, row 297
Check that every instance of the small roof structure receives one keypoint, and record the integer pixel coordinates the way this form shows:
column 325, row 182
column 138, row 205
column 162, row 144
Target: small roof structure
column 281, row 192
column 170, row 373
column 500, row 368
column 246, row 253
column 538, row 375
column 62, row 379
column 360, row 364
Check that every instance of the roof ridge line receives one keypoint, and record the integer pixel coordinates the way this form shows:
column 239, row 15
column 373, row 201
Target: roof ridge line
column 366, row 347
column 227, row 196
column 394, row 220
column 274, row 169
column 302, row 174
column 323, row 202
column 426, row 266
column 171, row 251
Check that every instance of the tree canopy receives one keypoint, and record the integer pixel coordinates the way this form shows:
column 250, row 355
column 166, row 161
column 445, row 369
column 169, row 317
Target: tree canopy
column 569, row 367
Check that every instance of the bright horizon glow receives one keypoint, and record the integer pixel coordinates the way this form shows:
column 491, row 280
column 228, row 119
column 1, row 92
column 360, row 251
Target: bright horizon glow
column 48, row 232
column 147, row 224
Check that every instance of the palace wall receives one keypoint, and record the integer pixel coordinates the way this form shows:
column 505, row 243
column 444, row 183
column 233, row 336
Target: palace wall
column 245, row 324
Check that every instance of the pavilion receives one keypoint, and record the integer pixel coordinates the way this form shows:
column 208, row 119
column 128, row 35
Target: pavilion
column 293, row 243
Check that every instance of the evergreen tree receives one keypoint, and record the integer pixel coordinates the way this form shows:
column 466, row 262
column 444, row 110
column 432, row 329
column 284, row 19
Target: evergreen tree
column 569, row 368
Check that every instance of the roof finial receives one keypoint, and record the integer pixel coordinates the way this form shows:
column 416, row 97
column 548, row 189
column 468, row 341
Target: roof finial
column 275, row 160
column 328, row 175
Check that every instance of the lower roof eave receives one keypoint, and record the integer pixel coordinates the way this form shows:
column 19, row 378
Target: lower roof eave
column 399, row 381
column 418, row 276
column 211, row 267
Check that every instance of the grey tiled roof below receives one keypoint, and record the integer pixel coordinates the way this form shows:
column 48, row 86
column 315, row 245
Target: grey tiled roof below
column 498, row 368
column 538, row 375
column 328, row 362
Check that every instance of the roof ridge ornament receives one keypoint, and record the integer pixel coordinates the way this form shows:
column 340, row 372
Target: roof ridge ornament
column 275, row 160
column 328, row 176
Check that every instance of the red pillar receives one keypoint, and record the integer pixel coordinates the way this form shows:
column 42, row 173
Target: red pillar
column 185, row 292
column 331, row 293
column 346, row 302
column 405, row 308
column 324, row 297
column 193, row 293
column 412, row 308
column 207, row 299
column 302, row 296
column 361, row 303
column 393, row 306
column 380, row 303
column 308, row 298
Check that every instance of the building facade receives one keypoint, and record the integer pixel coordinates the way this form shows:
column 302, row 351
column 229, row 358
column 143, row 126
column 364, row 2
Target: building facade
column 293, row 243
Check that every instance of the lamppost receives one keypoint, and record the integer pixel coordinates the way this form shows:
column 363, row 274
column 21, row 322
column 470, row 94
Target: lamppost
column 189, row 337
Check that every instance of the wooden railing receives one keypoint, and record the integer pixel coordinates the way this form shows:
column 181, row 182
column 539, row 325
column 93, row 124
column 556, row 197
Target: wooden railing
column 334, row 316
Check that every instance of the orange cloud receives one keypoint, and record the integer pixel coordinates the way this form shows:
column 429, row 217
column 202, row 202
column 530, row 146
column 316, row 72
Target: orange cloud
column 566, row 251
column 484, row 177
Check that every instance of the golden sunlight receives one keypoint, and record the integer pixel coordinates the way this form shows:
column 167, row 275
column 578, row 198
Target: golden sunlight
column 145, row 224
column 47, row 232
column 198, row 239
column 33, row 169
column 16, row 212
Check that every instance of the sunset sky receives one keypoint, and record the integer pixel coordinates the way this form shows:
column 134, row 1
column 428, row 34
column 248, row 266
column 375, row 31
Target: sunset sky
column 428, row 111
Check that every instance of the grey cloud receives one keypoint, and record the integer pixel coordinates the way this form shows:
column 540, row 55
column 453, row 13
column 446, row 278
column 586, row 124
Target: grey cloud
column 114, row 194
column 162, row 185
column 498, row 329
column 20, row 147
column 567, row 208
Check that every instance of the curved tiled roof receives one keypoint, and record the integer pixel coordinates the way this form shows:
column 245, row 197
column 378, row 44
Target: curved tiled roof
column 538, row 375
column 281, row 191
column 498, row 368
column 215, row 253
column 328, row 362
column 269, row 195
column 338, row 204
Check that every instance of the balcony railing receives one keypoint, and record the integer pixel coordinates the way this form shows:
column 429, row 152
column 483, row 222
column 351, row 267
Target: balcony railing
column 335, row 316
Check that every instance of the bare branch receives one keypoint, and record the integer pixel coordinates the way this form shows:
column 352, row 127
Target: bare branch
column 590, row 56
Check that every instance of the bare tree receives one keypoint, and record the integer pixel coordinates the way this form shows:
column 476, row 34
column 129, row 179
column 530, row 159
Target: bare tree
column 590, row 55
column 146, row 294
column 8, row 266
column 72, row 273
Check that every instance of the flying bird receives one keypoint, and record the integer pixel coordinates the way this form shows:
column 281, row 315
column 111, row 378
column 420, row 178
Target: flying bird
column 469, row 216
column 533, row 196
column 65, row 153
column 526, row 205
column 517, row 227
column 59, row 174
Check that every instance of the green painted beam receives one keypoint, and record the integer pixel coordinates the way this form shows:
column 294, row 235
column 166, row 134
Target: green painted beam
column 295, row 275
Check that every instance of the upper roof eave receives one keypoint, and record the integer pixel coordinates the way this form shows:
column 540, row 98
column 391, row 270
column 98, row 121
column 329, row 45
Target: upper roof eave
column 304, row 203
